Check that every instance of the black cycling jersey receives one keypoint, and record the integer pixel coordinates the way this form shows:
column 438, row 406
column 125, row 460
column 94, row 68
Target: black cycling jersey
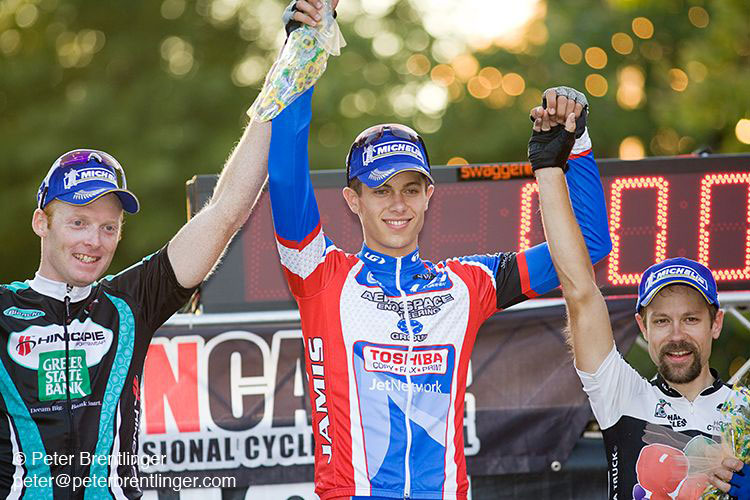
column 96, row 338
column 626, row 405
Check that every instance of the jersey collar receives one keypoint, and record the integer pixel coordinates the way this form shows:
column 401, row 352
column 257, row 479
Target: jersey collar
column 58, row 290
column 383, row 268
column 668, row 390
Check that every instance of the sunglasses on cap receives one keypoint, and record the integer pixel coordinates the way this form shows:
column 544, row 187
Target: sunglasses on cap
column 376, row 134
column 79, row 157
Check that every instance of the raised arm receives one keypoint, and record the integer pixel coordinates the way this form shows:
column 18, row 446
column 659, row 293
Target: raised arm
column 586, row 194
column 299, row 237
column 588, row 318
column 196, row 247
column 295, row 211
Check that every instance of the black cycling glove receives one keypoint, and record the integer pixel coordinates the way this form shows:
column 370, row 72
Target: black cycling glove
column 551, row 148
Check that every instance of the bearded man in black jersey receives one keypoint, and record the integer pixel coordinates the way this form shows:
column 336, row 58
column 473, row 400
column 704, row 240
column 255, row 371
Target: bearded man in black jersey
column 70, row 374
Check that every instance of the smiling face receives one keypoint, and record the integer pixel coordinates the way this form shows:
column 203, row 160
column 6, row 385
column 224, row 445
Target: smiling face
column 392, row 215
column 679, row 329
column 78, row 242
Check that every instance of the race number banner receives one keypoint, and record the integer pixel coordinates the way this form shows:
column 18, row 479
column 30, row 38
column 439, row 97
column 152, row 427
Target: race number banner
column 231, row 399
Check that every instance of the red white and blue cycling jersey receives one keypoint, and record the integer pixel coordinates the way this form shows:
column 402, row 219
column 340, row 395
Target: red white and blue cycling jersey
column 388, row 340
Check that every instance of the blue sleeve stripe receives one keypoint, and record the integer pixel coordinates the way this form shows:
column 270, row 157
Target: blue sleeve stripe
column 587, row 198
column 295, row 211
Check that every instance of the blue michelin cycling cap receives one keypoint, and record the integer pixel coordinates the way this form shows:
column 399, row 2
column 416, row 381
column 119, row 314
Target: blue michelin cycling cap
column 82, row 176
column 677, row 271
column 382, row 151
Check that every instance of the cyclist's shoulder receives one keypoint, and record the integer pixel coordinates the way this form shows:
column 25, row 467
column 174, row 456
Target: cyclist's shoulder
column 9, row 290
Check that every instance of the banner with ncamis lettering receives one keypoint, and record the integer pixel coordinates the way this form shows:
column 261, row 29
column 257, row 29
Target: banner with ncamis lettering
column 231, row 399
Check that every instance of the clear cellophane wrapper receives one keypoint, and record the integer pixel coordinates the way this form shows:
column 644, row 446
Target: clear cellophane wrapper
column 301, row 63
column 735, row 429
column 692, row 460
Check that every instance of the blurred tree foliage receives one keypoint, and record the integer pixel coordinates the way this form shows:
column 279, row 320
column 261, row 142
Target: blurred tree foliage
column 164, row 85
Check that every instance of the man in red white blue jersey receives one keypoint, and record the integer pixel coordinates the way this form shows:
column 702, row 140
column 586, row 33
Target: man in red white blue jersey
column 388, row 334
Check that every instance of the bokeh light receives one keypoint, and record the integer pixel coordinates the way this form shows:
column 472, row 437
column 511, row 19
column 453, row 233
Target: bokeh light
column 431, row 98
column 172, row 9
column 178, row 54
column 379, row 8
column 631, row 148
column 742, row 131
column 678, row 79
column 418, row 65
column 492, row 75
column 78, row 49
column 478, row 87
column 643, row 28
column 697, row 71
column 386, row 44
column 513, row 84
column 596, row 57
column 622, row 43
column 596, row 85
column 465, row 66
column 630, row 92
column 498, row 99
column 570, row 53
column 698, row 16
column 442, row 74
column 10, row 42
column 666, row 142
column 26, row 15
column 249, row 71
column 477, row 22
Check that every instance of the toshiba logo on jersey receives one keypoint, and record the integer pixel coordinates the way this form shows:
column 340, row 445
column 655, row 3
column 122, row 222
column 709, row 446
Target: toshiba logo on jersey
column 400, row 362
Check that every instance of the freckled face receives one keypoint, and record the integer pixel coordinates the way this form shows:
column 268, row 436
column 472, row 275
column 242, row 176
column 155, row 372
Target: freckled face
column 78, row 243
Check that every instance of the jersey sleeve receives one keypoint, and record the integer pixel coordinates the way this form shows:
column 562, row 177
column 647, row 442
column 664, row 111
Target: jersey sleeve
column 509, row 278
column 611, row 387
column 300, row 240
column 587, row 199
column 153, row 287
column 496, row 279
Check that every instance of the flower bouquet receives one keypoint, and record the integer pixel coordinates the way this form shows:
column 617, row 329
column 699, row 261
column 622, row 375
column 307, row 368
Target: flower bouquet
column 302, row 61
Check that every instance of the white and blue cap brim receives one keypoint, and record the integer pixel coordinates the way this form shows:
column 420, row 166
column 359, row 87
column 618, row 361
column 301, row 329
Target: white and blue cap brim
column 674, row 272
column 92, row 193
column 380, row 175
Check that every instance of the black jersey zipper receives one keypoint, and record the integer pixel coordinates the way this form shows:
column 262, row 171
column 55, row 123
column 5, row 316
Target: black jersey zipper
column 66, row 320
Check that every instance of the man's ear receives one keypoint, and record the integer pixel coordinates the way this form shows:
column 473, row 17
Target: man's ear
column 40, row 223
column 717, row 324
column 642, row 325
column 430, row 191
column 352, row 199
